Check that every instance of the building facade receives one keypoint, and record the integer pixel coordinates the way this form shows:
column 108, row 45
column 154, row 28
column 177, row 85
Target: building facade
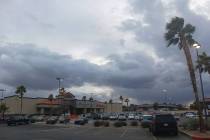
column 65, row 102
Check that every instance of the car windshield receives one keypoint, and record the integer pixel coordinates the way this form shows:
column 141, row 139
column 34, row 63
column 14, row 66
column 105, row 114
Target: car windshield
column 147, row 117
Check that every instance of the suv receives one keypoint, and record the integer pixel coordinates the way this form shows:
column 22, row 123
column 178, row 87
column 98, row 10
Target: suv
column 163, row 123
column 17, row 119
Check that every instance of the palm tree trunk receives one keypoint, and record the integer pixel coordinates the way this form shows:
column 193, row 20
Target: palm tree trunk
column 21, row 104
column 193, row 78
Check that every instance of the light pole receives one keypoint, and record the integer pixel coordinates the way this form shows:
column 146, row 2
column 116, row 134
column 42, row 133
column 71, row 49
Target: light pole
column 165, row 94
column 2, row 94
column 59, row 83
column 59, row 88
column 197, row 46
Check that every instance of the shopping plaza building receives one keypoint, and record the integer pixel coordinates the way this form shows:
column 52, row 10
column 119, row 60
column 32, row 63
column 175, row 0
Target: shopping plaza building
column 64, row 102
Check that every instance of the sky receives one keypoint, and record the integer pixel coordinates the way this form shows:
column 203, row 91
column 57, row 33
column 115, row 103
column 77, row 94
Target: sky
column 103, row 49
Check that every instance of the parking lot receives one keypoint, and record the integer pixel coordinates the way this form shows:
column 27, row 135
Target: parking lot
column 72, row 132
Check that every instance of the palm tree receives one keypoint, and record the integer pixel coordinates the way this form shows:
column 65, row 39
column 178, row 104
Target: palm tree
column 180, row 33
column 20, row 90
column 3, row 109
column 50, row 98
column 127, row 101
column 203, row 63
column 121, row 99
column 110, row 102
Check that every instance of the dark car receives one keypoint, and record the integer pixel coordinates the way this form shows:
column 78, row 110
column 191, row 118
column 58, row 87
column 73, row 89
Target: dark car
column 96, row 116
column 17, row 120
column 82, row 121
column 146, row 121
column 164, row 123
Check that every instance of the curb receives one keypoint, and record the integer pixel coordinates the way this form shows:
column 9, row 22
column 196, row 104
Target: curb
column 193, row 136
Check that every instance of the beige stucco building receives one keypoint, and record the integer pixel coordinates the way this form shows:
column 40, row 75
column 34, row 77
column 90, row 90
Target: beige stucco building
column 69, row 105
column 14, row 104
column 113, row 107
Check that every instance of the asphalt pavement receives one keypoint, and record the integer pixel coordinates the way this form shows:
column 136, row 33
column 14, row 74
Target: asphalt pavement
column 52, row 132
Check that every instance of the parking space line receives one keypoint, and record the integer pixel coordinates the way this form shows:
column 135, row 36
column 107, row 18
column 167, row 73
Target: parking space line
column 123, row 134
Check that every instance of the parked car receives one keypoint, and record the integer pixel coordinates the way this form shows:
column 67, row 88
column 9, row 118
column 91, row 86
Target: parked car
column 137, row 117
column 17, row 120
column 52, row 120
column 84, row 118
column 163, row 123
column 122, row 117
column 190, row 115
column 105, row 116
column 81, row 121
column 63, row 119
column 96, row 116
column 113, row 116
column 131, row 116
column 146, row 121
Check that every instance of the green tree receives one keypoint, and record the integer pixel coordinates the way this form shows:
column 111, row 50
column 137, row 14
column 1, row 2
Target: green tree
column 155, row 106
column 203, row 62
column 20, row 90
column 84, row 98
column 180, row 33
column 3, row 109
column 91, row 99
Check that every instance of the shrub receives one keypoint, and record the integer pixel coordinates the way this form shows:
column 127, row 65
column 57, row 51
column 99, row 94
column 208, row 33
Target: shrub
column 118, row 124
column 190, row 124
column 106, row 124
column 98, row 123
column 124, row 123
column 134, row 123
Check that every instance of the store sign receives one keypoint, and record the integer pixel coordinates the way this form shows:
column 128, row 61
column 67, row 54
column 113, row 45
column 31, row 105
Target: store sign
column 89, row 104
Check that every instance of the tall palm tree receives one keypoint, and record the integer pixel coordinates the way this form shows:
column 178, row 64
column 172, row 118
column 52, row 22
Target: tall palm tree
column 180, row 33
column 127, row 101
column 203, row 63
column 3, row 109
column 110, row 102
column 50, row 98
column 20, row 90
column 121, row 99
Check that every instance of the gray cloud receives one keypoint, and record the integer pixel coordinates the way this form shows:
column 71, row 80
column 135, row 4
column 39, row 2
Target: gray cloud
column 129, row 72
column 37, row 69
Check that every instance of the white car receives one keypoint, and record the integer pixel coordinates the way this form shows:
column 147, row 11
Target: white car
column 131, row 116
column 122, row 117
column 137, row 117
column 190, row 115
column 113, row 117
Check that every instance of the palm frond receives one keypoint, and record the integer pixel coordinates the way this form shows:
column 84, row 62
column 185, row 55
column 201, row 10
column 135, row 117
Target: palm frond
column 189, row 29
column 176, row 24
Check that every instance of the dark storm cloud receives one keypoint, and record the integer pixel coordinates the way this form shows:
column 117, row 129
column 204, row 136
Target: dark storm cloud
column 38, row 68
